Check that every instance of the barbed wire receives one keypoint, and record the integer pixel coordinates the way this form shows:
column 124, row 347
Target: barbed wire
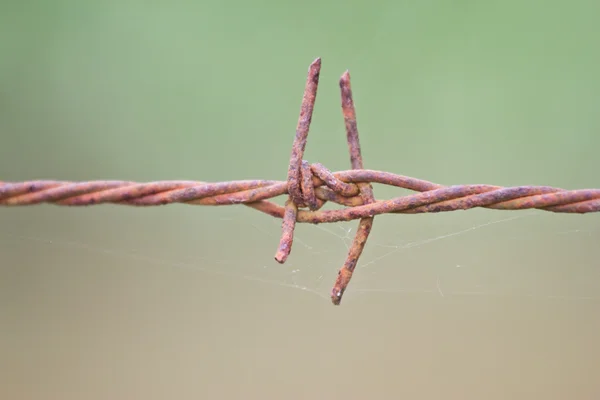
column 309, row 187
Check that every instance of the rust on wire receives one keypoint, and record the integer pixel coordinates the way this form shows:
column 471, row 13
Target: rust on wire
column 297, row 177
column 366, row 193
column 306, row 111
column 309, row 187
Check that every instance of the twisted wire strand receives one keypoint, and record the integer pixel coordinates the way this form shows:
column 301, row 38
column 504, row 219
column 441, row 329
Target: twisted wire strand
column 309, row 187
column 433, row 197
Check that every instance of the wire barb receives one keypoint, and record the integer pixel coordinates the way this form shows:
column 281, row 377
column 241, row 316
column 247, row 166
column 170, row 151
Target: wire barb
column 366, row 193
column 310, row 186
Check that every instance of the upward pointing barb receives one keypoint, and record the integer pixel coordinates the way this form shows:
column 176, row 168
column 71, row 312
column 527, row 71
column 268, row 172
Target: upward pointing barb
column 306, row 111
column 296, row 197
column 366, row 192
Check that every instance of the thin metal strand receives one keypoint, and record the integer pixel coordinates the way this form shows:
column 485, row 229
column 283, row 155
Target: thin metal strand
column 306, row 111
column 433, row 197
column 366, row 193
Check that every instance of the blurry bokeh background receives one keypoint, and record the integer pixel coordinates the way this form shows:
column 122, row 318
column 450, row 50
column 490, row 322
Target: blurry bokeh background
column 113, row 302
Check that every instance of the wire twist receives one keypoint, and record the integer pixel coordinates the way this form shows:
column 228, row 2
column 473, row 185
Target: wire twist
column 309, row 187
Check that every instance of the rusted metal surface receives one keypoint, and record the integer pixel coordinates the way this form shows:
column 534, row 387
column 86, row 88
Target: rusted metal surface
column 366, row 193
column 438, row 198
column 299, row 184
column 306, row 110
column 309, row 187
column 287, row 236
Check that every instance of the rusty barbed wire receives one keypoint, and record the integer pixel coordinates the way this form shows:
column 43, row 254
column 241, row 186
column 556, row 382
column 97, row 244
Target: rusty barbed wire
column 309, row 187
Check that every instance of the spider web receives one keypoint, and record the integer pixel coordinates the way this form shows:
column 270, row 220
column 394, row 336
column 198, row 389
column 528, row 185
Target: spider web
column 527, row 254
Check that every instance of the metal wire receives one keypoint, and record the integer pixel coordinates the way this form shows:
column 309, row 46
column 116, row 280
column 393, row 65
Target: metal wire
column 309, row 187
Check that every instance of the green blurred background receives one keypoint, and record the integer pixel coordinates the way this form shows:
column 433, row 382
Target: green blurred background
column 181, row 302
